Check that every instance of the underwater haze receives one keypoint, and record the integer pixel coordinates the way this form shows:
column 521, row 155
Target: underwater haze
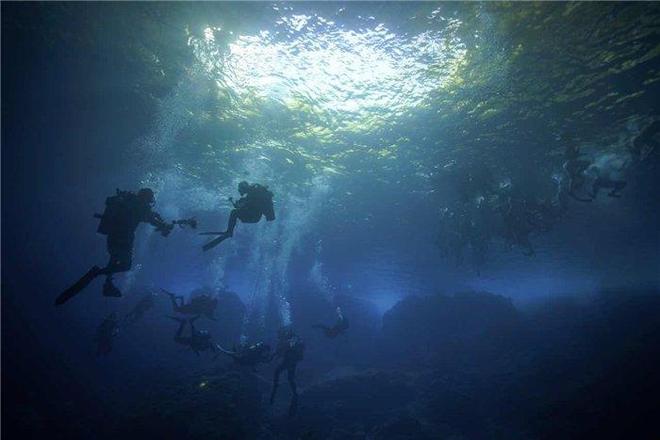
column 466, row 241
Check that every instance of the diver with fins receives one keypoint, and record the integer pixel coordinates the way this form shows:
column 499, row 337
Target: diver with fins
column 575, row 166
column 605, row 180
column 123, row 213
column 256, row 201
column 105, row 333
column 340, row 326
column 290, row 349
column 198, row 341
column 145, row 304
column 249, row 356
column 198, row 305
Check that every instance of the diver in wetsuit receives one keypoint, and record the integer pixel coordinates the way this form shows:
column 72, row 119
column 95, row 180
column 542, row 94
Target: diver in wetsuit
column 144, row 305
column 198, row 341
column 256, row 201
column 290, row 349
column 603, row 181
column 249, row 356
column 646, row 142
column 105, row 333
column 198, row 305
column 341, row 325
column 123, row 213
column 518, row 225
column 575, row 167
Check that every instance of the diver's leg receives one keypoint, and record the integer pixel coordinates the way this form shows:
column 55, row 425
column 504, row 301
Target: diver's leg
column 527, row 245
column 177, row 301
column 179, row 332
column 225, row 235
column 276, row 380
column 291, row 376
column 121, row 260
column 121, row 256
column 233, row 217
column 192, row 323
column 618, row 186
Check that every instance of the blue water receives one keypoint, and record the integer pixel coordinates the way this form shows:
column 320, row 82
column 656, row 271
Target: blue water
column 372, row 123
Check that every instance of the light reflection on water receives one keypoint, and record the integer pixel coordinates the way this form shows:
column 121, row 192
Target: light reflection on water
column 348, row 78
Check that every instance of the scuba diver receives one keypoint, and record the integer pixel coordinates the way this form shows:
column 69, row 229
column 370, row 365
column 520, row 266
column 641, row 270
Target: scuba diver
column 105, row 332
column 198, row 305
column 290, row 350
column 256, row 201
column 518, row 225
column 341, row 325
column 145, row 304
column 575, row 168
column 479, row 233
column 452, row 239
column 123, row 213
column 606, row 182
column 646, row 142
column 249, row 356
column 199, row 340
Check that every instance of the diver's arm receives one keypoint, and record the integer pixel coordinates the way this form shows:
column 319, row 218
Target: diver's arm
column 233, row 202
column 155, row 220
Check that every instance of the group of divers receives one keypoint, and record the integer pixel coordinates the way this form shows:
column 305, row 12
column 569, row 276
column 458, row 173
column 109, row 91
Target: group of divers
column 465, row 226
column 123, row 213
column 486, row 209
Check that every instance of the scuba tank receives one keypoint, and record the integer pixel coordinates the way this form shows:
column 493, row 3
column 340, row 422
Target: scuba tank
column 266, row 199
column 115, row 210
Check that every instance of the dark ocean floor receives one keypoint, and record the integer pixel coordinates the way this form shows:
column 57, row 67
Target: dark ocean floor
column 464, row 366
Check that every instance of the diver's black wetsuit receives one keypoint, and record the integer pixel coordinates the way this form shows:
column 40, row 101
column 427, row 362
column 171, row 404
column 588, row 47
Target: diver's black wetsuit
column 198, row 305
column 518, row 226
column 138, row 311
column 256, row 201
column 199, row 340
column 290, row 349
column 575, row 167
column 340, row 326
column 250, row 356
column 123, row 213
column 120, row 229
column 106, row 331
column 606, row 183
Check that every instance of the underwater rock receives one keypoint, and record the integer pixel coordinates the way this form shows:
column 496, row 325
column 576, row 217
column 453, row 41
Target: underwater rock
column 403, row 427
column 355, row 404
column 465, row 327
column 355, row 347
column 225, row 405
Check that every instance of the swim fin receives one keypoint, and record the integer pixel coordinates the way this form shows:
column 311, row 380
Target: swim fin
column 213, row 243
column 78, row 286
column 109, row 289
